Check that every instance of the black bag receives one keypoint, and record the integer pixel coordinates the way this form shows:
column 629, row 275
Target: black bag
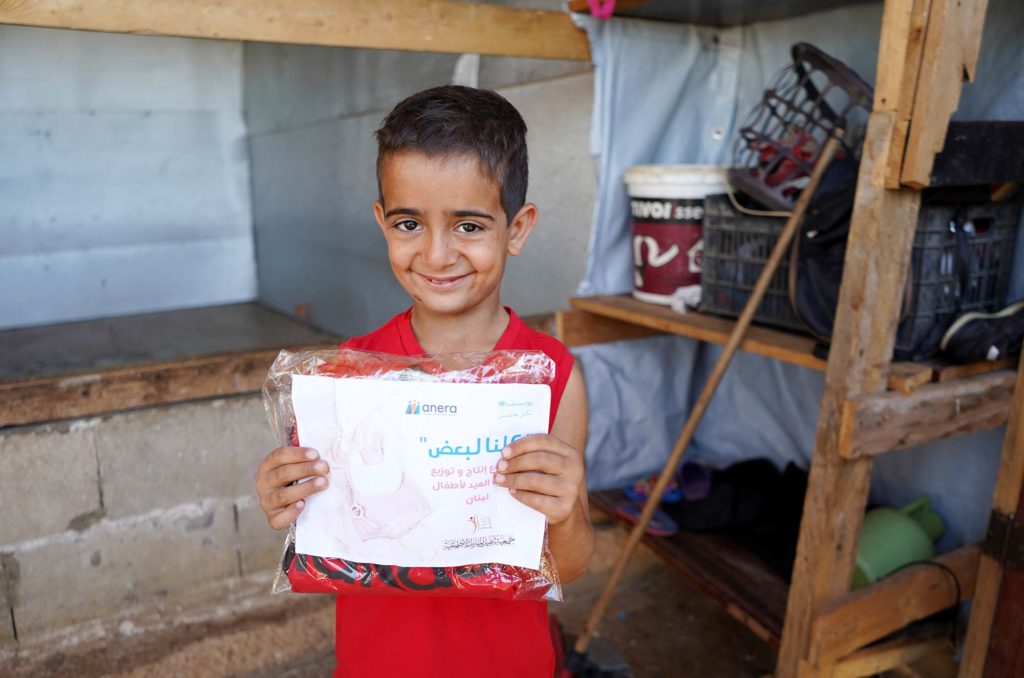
column 818, row 254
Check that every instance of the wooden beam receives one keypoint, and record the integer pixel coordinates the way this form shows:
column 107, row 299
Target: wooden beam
column 870, row 297
column 886, row 656
column 903, row 25
column 952, row 37
column 857, row 619
column 83, row 395
column 418, row 25
column 882, row 422
column 1007, row 497
column 579, row 328
column 905, row 377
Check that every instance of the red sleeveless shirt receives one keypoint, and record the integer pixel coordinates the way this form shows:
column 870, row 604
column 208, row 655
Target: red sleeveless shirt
column 448, row 637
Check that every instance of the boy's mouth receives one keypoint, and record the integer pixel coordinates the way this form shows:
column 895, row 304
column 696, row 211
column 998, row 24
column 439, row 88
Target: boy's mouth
column 443, row 282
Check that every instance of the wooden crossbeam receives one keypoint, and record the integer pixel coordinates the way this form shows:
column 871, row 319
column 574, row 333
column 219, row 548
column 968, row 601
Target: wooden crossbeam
column 877, row 423
column 887, row 656
column 419, row 25
column 853, row 621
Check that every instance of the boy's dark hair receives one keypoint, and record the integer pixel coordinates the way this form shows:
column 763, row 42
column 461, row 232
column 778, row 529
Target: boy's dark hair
column 454, row 120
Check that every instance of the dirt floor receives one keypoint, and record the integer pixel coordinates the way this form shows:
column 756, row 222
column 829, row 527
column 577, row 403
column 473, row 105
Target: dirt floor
column 659, row 622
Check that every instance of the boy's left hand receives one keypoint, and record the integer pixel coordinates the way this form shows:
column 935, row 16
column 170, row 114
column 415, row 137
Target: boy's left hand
column 544, row 473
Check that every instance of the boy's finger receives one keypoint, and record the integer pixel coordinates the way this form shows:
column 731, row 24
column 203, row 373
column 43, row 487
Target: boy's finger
column 540, row 483
column 288, row 495
column 533, row 443
column 290, row 455
column 549, row 506
column 285, row 517
column 289, row 473
column 537, row 460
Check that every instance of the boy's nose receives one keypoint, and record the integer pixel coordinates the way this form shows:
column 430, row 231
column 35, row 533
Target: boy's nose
column 440, row 253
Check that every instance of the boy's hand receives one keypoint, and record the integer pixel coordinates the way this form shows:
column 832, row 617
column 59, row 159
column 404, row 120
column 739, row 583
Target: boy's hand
column 544, row 473
column 281, row 496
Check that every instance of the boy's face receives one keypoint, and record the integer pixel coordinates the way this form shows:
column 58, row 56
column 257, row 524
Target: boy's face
column 446, row 231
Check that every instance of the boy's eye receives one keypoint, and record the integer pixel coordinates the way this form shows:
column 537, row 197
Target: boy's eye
column 407, row 225
column 469, row 227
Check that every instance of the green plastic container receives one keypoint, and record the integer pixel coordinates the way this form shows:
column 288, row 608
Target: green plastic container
column 892, row 538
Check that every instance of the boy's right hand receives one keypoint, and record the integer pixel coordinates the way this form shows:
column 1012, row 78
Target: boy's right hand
column 281, row 496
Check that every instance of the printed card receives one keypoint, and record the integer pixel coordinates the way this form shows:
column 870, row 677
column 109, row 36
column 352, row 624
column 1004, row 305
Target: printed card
column 411, row 467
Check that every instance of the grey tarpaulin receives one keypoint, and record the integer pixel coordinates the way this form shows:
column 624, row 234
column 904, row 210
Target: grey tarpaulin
column 674, row 93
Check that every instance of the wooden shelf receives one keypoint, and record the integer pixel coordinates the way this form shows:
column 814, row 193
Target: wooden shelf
column 785, row 346
column 741, row 582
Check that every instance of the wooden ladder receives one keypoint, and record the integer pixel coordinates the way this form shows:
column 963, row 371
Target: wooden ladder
column 926, row 48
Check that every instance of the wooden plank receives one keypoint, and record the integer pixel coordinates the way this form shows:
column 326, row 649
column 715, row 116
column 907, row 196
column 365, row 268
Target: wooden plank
column 939, row 82
column 947, row 373
column 790, row 348
column 857, row 619
column 902, row 42
column 729, row 574
column 89, row 394
column 886, row 656
column 905, row 377
column 419, row 25
column 889, row 421
column 1006, row 499
column 874, row 275
column 579, row 328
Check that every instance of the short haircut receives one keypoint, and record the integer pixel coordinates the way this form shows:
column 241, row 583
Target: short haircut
column 455, row 120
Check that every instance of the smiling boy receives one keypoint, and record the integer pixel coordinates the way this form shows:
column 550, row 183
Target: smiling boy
column 452, row 176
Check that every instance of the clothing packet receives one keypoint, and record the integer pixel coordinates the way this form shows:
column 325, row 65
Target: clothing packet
column 412, row 443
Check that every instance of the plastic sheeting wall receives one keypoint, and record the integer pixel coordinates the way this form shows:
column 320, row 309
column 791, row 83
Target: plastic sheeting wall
column 675, row 93
column 124, row 183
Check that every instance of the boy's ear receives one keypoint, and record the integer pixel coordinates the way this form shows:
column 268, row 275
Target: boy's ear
column 521, row 227
column 378, row 214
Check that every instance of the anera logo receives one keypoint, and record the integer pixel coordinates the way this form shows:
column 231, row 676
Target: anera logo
column 416, row 407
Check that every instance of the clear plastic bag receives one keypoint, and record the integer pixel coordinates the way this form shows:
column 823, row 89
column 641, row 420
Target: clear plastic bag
column 305, row 573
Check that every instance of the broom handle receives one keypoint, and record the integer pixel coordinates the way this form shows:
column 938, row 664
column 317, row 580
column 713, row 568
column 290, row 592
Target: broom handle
column 739, row 331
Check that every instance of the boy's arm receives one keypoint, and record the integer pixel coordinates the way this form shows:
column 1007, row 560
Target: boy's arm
column 546, row 473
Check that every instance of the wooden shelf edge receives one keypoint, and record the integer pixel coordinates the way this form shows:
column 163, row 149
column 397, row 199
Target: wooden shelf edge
column 785, row 346
column 725, row 575
column 33, row 401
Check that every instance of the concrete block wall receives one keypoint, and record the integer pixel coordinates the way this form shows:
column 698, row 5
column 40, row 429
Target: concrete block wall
column 109, row 516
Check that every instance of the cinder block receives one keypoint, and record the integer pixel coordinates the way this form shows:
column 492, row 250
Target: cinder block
column 261, row 546
column 181, row 454
column 48, row 483
column 115, row 565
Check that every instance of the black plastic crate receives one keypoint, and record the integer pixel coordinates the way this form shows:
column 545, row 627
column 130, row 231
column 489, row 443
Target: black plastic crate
column 737, row 245
column 934, row 285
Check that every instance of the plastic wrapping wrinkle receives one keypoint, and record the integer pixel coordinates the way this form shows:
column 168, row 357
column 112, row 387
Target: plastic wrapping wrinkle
column 379, row 501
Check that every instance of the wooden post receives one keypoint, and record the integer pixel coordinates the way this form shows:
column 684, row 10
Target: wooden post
column 1008, row 504
column 877, row 257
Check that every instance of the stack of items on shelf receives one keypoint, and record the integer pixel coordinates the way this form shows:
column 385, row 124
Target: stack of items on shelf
column 961, row 261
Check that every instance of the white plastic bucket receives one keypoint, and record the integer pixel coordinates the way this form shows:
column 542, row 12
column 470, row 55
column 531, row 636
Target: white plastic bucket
column 667, row 205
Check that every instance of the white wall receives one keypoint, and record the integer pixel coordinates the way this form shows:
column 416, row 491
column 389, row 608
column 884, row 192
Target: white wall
column 124, row 181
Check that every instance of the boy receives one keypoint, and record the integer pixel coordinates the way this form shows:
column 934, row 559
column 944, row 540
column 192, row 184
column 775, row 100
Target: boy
column 452, row 175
